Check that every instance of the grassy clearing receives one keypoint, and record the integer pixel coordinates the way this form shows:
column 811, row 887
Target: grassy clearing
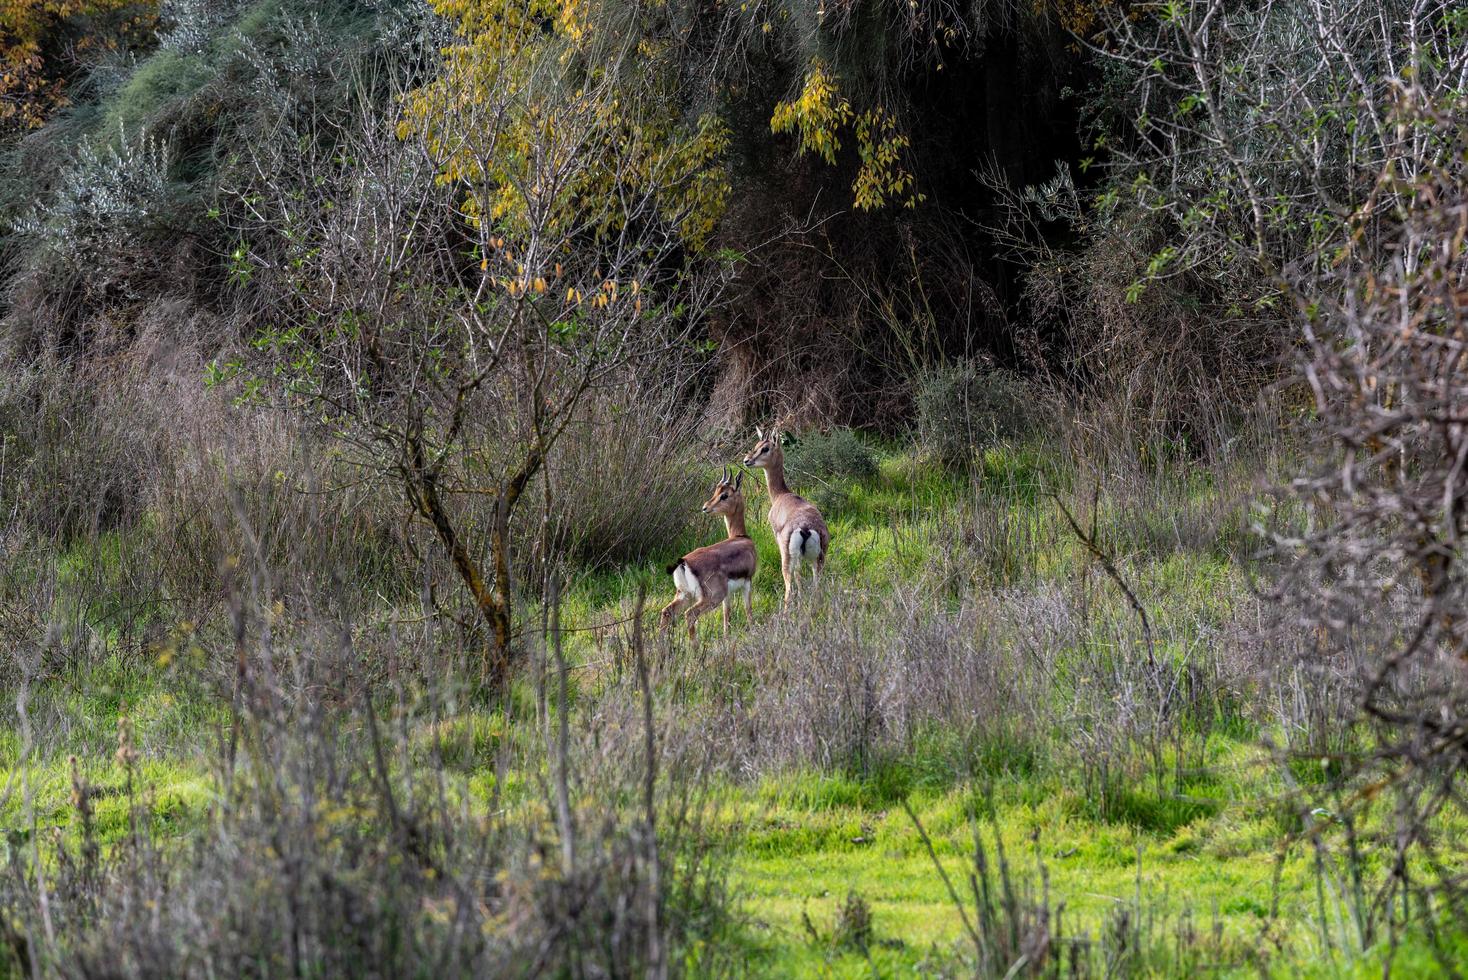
column 1181, row 833
column 1209, row 850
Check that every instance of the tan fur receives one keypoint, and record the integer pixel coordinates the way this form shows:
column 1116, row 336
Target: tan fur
column 790, row 513
column 715, row 565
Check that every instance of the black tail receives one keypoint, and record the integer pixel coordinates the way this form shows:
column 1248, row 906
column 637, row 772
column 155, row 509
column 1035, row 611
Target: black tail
column 674, row 567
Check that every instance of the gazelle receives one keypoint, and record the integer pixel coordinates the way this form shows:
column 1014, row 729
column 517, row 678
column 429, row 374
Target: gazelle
column 800, row 531
column 707, row 577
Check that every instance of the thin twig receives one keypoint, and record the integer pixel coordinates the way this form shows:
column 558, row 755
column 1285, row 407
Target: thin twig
column 1089, row 541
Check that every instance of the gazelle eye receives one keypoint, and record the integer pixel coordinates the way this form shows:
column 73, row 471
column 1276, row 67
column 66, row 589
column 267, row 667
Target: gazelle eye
column 723, row 496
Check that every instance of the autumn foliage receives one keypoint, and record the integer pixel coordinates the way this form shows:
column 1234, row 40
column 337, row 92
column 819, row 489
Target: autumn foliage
column 43, row 43
column 564, row 93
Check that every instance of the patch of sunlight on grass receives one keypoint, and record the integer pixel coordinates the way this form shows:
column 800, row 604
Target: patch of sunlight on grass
column 177, row 796
column 808, row 842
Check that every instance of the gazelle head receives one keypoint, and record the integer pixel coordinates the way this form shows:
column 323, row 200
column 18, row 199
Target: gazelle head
column 767, row 450
column 726, row 498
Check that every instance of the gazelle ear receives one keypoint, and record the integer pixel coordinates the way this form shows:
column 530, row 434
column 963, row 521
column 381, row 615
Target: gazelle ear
column 759, row 433
column 739, row 480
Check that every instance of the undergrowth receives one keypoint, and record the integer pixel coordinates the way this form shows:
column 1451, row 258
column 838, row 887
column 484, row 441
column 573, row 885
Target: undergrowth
column 967, row 656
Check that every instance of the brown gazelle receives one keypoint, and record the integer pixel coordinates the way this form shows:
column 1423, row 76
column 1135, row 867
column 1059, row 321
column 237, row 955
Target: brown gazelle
column 707, row 577
column 800, row 531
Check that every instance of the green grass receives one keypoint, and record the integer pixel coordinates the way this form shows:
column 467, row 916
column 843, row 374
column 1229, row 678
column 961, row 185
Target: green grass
column 806, row 843
column 803, row 862
column 801, row 841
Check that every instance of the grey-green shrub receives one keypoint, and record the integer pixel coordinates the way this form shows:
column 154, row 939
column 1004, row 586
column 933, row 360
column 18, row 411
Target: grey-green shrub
column 966, row 406
column 823, row 465
column 839, row 454
column 106, row 200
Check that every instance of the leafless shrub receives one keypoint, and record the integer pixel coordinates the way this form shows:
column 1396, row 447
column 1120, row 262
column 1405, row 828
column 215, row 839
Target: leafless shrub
column 76, row 447
column 143, row 487
column 1373, row 572
column 621, row 475
column 240, row 480
column 854, row 690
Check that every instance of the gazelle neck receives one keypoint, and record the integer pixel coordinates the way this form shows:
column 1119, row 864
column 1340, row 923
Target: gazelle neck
column 734, row 521
column 775, row 476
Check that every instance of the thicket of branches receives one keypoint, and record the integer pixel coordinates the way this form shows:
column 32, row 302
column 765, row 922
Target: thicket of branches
column 1303, row 166
column 445, row 296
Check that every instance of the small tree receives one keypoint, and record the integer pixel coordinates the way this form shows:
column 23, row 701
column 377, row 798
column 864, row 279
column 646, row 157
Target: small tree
column 458, row 282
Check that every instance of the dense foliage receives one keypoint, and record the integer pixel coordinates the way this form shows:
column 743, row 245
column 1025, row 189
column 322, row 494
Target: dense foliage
column 44, row 44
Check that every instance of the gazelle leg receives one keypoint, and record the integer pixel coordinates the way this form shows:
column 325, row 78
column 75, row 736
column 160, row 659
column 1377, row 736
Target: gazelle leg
column 786, row 571
column 694, row 611
column 749, row 604
column 725, row 606
column 670, row 610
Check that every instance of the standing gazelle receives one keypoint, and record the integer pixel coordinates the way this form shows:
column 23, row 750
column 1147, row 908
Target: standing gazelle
column 706, row 577
column 800, row 531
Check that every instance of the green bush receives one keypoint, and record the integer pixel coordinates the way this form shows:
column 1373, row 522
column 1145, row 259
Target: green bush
column 838, row 454
column 823, row 465
column 965, row 407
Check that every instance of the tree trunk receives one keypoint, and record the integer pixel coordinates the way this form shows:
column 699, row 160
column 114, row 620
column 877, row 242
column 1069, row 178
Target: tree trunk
column 493, row 605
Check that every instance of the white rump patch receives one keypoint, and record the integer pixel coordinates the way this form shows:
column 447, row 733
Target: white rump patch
column 738, row 585
column 687, row 582
column 803, row 543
